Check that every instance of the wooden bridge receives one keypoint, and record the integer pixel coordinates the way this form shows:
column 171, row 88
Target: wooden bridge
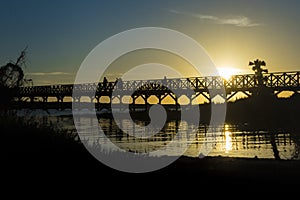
column 249, row 84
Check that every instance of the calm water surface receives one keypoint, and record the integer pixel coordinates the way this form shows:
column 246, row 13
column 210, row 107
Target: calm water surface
column 229, row 141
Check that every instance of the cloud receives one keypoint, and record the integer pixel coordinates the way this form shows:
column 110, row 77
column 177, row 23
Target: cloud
column 48, row 73
column 240, row 21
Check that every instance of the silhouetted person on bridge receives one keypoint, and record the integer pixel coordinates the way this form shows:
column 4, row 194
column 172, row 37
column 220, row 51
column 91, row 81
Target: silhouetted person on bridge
column 119, row 82
column 105, row 82
column 164, row 82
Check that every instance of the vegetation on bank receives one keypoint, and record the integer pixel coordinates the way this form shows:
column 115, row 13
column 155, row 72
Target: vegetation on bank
column 26, row 140
column 266, row 112
column 11, row 78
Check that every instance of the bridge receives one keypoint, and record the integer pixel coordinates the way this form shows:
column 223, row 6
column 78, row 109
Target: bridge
column 249, row 84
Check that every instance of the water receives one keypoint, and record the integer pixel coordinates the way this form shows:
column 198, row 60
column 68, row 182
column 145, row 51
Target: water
column 229, row 141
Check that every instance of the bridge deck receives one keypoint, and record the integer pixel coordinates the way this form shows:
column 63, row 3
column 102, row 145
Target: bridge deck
column 247, row 83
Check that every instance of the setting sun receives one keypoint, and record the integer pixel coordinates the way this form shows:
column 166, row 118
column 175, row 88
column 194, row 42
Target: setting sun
column 227, row 72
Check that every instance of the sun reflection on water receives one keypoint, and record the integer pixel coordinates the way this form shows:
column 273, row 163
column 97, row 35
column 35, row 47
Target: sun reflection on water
column 228, row 139
column 229, row 142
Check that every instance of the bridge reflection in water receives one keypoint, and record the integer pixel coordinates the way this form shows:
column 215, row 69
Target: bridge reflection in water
column 232, row 141
column 248, row 84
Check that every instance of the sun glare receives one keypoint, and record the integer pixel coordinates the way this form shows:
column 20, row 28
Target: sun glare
column 227, row 72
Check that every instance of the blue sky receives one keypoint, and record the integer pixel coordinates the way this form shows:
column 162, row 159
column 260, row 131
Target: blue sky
column 60, row 34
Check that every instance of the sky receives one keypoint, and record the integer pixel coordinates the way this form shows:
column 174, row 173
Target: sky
column 60, row 34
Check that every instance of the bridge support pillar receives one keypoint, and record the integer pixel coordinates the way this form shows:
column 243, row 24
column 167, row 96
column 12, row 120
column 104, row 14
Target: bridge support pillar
column 60, row 98
column 145, row 97
column 45, row 99
column 97, row 99
column 76, row 99
column 159, row 98
column 92, row 98
column 133, row 103
column 98, row 107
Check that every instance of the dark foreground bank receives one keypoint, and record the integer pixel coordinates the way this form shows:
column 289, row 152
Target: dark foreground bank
column 77, row 164
column 43, row 155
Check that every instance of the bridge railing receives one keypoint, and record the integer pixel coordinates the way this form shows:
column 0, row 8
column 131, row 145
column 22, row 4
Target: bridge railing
column 277, row 81
column 283, row 80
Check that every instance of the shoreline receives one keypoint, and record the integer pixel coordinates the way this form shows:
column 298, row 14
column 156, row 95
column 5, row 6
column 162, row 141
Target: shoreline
column 227, row 170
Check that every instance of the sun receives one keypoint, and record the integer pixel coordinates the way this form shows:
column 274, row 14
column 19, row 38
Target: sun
column 227, row 72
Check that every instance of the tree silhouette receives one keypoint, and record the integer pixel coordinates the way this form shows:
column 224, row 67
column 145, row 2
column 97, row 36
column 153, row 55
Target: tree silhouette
column 11, row 77
column 256, row 67
column 264, row 103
